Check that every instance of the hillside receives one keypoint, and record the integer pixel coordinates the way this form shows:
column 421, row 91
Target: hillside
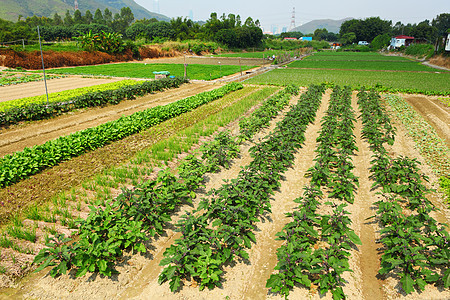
column 330, row 25
column 11, row 9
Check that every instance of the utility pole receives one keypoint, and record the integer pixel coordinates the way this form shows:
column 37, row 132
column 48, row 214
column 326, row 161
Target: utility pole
column 43, row 66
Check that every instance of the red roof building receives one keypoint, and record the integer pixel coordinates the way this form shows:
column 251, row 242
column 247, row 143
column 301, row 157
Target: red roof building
column 401, row 40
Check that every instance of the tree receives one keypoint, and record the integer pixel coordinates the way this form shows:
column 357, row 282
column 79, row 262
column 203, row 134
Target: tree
column 442, row 23
column 88, row 18
column 425, row 31
column 77, row 17
column 98, row 17
column 107, row 17
column 348, row 38
column 57, row 20
column 381, row 41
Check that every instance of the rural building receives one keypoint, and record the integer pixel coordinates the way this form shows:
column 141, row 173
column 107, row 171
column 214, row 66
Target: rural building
column 290, row 39
column 401, row 40
column 306, row 38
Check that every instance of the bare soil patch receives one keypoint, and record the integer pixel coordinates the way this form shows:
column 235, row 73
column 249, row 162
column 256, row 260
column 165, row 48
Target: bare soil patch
column 434, row 111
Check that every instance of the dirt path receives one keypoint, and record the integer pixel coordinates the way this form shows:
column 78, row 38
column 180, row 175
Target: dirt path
column 434, row 111
column 17, row 138
column 368, row 257
column 37, row 88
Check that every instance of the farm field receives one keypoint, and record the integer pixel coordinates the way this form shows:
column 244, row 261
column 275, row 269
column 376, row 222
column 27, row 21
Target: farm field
column 402, row 81
column 138, row 276
column 143, row 70
column 406, row 65
column 355, row 56
column 259, row 191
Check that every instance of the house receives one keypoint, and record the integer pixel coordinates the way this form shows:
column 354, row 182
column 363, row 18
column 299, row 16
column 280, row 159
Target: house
column 290, row 39
column 401, row 40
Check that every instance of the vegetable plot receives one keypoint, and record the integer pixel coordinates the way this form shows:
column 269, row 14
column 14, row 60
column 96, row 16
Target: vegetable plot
column 35, row 108
column 416, row 247
column 135, row 215
column 33, row 160
column 317, row 246
column 221, row 228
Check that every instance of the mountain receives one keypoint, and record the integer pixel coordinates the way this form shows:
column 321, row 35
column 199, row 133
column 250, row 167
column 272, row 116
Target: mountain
column 11, row 9
column 330, row 25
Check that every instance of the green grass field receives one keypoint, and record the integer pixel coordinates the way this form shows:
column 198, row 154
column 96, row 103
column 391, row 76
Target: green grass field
column 406, row 65
column 396, row 80
column 351, row 56
column 141, row 70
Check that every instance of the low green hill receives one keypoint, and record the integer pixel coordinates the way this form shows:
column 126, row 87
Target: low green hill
column 11, row 9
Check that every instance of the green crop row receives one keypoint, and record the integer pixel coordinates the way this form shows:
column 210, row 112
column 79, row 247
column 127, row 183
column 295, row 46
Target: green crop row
column 127, row 89
column 392, row 82
column 64, row 95
column 222, row 227
column 301, row 259
column 137, row 213
column 415, row 245
column 32, row 160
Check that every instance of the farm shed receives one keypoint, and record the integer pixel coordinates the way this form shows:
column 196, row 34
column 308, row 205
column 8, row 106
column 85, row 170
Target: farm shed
column 401, row 40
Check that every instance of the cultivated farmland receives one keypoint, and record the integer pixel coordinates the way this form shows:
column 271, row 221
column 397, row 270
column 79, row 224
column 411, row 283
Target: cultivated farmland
column 298, row 189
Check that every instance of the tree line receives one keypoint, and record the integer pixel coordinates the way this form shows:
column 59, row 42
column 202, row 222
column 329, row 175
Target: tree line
column 379, row 32
column 228, row 30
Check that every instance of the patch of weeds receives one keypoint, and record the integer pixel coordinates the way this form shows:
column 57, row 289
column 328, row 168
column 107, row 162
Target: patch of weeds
column 34, row 213
column 22, row 233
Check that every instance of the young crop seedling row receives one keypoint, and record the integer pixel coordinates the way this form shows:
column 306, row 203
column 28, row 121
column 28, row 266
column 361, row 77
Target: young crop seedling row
column 221, row 228
column 416, row 247
column 30, row 161
column 316, row 248
column 269, row 109
column 135, row 215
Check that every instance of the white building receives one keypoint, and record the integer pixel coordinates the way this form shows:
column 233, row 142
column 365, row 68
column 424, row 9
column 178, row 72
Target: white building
column 401, row 40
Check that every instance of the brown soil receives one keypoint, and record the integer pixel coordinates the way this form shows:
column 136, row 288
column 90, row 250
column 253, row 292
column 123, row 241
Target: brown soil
column 35, row 133
column 434, row 111
column 441, row 61
column 30, row 89
column 138, row 278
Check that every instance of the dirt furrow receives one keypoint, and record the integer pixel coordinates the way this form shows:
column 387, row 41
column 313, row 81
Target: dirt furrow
column 36, row 133
column 367, row 259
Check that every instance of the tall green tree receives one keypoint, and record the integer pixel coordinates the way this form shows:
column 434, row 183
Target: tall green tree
column 98, row 17
column 68, row 20
column 77, row 17
column 88, row 18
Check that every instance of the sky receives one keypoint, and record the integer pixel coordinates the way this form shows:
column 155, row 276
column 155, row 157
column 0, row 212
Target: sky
column 279, row 12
